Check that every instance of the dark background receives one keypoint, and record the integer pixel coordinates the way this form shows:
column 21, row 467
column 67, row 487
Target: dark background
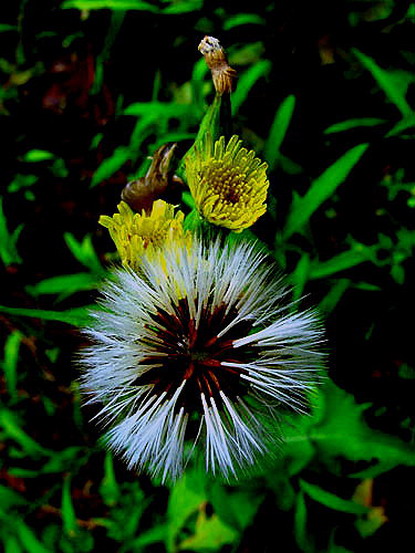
column 67, row 148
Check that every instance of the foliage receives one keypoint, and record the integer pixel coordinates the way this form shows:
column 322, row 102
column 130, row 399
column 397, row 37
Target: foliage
column 89, row 90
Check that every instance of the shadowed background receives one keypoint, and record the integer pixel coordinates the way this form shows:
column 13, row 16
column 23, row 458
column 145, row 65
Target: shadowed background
column 326, row 91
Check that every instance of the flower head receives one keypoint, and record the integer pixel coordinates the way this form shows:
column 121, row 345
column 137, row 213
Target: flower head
column 228, row 183
column 136, row 233
column 200, row 348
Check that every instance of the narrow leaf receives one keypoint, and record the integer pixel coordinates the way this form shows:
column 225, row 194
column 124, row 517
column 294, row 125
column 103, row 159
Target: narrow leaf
column 321, row 189
column 332, row 501
column 64, row 284
column 11, row 356
column 393, row 84
column 78, row 316
column 68, row 512
column 110, row 4
column 354, row 123
column 111, row 165
column 247, row 81
column 278, row 130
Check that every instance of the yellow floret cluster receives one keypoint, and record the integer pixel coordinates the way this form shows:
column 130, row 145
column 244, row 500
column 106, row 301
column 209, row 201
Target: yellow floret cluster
column 228, row 183
column 137, row 233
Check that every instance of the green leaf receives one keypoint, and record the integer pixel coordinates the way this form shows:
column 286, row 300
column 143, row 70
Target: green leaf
column 300, row 525
column 182, row 6
column 34, row 156
column 70, row 525
column 111, row 164
column 78, row 316
column 321, row 189
column 21, row 182
column 28, row 538
column 300, row 276
column 109, row 4
column 109, row 488
column 211, row 534
column 64, row 284
column 8, row 240
column 357, row 254
column 247, row 81
column 243, row 19
column 331, row 500
column 278, row 130
column 185, row 499
column 152, row 535
column 10, row 499
column 353, row 124
column 11, row 544
column 4, row 28
column 10, row 425
column 235, row 507
column 84, row 252
column 341, row 432
column 334, row 295
column 393, row 83
column 11, row 357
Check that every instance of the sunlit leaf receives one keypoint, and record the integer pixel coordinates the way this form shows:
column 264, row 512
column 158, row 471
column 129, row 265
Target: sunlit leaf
column 321, row 189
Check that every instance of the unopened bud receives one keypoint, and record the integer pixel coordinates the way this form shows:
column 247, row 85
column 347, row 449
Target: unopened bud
column 223, row 76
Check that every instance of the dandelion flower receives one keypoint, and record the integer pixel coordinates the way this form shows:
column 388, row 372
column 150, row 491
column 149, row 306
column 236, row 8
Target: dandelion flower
column 199, row 349
column 228, row 183
column 136, row 233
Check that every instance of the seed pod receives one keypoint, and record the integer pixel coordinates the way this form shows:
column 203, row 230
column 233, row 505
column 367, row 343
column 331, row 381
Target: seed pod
column 141, row 193
column 223, row 76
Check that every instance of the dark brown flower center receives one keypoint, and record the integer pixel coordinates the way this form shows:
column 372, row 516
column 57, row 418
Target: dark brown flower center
column 183, row 351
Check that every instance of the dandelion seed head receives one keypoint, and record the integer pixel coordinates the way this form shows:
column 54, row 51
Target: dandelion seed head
column 200, row 348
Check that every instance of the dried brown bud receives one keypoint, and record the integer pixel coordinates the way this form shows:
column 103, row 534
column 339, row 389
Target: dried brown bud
column 141, row 193
column 223, row 76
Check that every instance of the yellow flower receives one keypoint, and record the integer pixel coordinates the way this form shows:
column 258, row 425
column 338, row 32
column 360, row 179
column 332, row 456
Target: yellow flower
column 135, row 233
column 228, row 183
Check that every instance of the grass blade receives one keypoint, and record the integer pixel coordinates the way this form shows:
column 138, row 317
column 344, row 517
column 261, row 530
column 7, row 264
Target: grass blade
column 278, row 130
column 321, row 189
